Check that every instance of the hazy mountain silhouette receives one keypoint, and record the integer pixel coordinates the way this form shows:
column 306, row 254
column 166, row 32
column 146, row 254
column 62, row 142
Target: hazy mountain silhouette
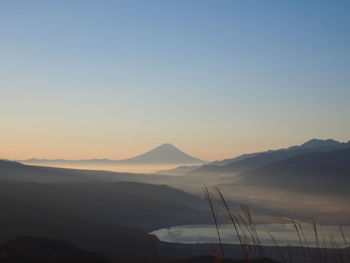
column 317, row 143
column 250, row 161
column 5, row 163
column 64, row 161
column 328, row 171
column 17, row 172
column 163, row 154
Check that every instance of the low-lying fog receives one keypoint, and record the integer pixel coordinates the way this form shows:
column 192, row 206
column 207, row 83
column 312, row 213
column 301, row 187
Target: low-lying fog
column 124, row 168
column 269, row 204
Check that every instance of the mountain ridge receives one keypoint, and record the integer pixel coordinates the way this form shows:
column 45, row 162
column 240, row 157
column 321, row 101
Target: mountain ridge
column 165, row 153
column 326, row 171
column 253, row 160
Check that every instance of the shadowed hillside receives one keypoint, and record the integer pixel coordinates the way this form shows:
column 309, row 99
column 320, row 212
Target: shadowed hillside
column 255, row 160
column 91, row 215
column 43, row 250
column 328, row 172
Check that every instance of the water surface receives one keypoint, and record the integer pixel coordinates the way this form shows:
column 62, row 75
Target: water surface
column 285, row 234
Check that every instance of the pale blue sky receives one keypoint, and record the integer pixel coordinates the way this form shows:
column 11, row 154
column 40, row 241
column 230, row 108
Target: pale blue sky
column 215, row 78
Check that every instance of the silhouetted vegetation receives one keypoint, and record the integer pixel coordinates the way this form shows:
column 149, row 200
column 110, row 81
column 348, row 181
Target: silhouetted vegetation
column 251, row 247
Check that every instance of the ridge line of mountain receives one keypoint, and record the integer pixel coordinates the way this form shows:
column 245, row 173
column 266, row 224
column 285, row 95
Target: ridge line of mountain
column 163, row 154
column 254, row 160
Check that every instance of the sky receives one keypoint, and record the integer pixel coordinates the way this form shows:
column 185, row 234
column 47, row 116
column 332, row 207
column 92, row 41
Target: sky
column 112, row 79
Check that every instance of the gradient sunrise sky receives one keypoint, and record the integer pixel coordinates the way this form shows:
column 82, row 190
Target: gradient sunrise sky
column 111, row 79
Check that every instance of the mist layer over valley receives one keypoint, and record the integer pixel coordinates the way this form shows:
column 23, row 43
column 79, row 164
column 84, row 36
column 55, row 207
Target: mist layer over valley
column 163, row 157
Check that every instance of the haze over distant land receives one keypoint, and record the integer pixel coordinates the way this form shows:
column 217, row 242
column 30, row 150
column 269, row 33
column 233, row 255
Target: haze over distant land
column 164, row 156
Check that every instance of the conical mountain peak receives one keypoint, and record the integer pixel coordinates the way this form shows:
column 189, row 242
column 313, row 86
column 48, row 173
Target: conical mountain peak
column 166, row 146
column 165, row 153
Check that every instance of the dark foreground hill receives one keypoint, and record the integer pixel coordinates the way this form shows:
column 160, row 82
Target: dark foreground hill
column 213, row 259
column 17, row 172
column 44, row 250
column 99, row 217
column 143, row 206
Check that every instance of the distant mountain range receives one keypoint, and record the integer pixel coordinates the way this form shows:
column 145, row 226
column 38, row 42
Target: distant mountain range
column 314, row 166
column 163, row 154
column 254, row 160
column 325, row 171
column 18, row 172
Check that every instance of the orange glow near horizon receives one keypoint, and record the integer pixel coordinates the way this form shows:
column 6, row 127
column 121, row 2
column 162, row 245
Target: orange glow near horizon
column 80, row 151
column 59, row 151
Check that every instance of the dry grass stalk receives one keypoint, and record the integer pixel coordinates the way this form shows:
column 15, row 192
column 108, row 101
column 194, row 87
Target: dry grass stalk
column 209, row 199
column 251, row 245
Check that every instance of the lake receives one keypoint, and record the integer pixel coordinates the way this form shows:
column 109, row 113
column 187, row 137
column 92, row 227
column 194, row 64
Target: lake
column 285, row 234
